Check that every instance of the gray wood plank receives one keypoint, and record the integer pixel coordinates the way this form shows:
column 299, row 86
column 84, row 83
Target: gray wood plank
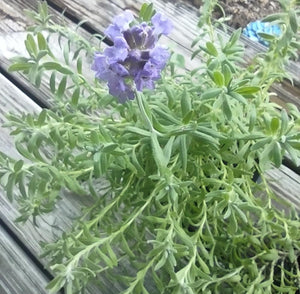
column 12, row 42
column 51, row 226
column 18, row 274
column 285, row 182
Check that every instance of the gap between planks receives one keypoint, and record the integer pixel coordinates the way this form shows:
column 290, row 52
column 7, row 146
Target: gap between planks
column 52, row 225
column 18, row 274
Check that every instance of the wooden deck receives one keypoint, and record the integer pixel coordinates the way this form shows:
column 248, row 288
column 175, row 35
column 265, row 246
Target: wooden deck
column 21, row 269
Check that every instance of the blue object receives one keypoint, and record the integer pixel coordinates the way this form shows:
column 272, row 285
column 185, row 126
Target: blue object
column 253, row 28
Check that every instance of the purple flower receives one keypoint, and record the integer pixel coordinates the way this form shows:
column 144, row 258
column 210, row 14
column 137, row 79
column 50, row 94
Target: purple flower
column 120, row 24
column 118, row 52
column 135, row 61
column 161, row 24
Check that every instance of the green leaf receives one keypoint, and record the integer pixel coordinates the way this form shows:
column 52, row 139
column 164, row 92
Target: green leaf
column 9, row 188
column 75, row 96
column 276, row 154
column 52, row 82
column 125, row 247
column 18, row 165
column 203, row 265
column 41, row 54
column 185, row 102
column 112, row 255
column 73, row 185
column 211, row 93
column 226, row 107
column 196, row 52
column 146, row 12
column 235, row 36
column 42, row 117
column 23, row 151
column 136, row 163
column 233, row 225
column 211, row 49
column 138, row 131
column 158, row 153
column 293, row 21
column 271, row 255
column 97, row 165
column 161, row 262
column 275, row 124
column 274, row 17
column 238, row 97
column 240, row 213
column 188, row 117
column 227, row 74
column 79, row 65
column 227, row 213
column 284, row 122
column 267, row 37
column 61, row 87
column 183, row 152
column 109, row 147
column 218, row 79
column 178, row 60
column 20, row 66
column 247, row 90
column 52, row 65
column 66, row 53
column 42, row 43
column 206, row 138
column 43, row 9
column 22, row 185
column 38, row 78
column 167, row 151
column 261, row 143
column 293, row 154
column 31, row 45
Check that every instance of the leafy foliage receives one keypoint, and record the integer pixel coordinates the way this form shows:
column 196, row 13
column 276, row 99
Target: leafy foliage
column 182, row 213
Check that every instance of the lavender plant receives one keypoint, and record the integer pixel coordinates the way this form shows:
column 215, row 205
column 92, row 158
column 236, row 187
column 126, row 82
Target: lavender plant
column 180, row 212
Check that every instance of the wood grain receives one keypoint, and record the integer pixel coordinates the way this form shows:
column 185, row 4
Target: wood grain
column 286, row 183
column 51, row 226
column 18, row 274
column 12, row 44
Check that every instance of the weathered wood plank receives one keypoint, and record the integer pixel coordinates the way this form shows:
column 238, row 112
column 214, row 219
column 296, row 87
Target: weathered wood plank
column 11, row 20
column 18, row 274
column 12, row 43
column 286, row 183
column 52, row 225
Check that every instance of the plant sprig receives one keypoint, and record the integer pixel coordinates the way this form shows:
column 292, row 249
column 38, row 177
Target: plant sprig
column 180, row 211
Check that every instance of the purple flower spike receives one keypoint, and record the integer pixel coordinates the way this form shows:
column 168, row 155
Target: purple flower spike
column 135, row 61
